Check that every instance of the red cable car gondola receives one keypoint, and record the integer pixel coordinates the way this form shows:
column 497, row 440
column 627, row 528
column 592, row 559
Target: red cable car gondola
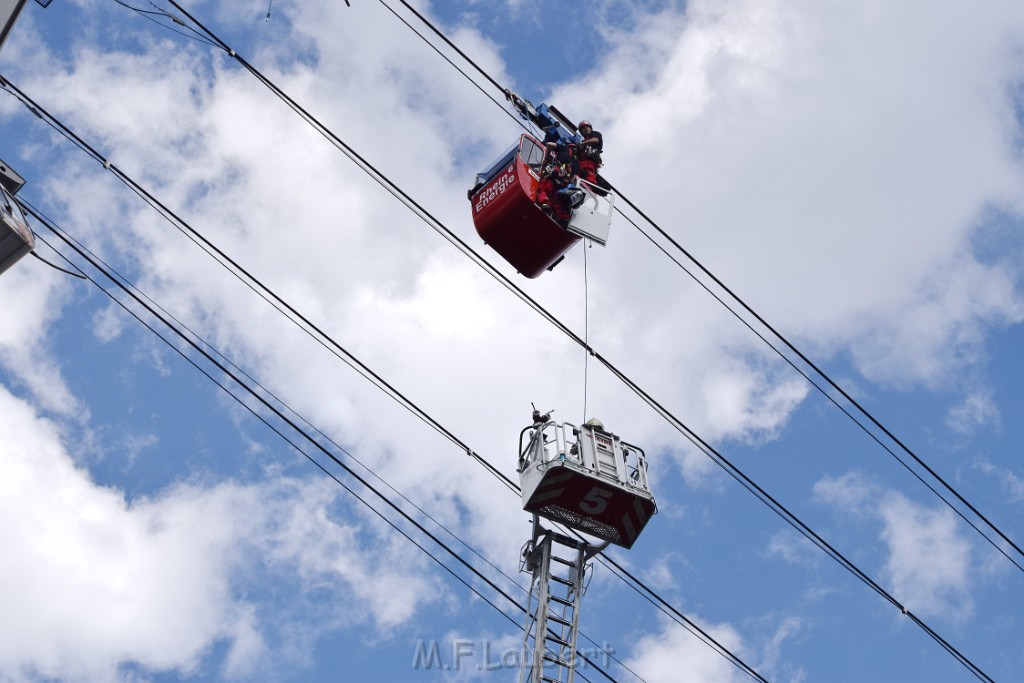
column 507, row 218
column 16, row 238
column 505, row 212
column 510, row 222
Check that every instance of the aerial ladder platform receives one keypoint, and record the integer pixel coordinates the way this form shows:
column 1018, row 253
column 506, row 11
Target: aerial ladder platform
column 587, row 479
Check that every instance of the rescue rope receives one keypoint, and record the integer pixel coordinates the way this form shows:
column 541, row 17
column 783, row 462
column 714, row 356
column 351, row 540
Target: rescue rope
column 586, row 329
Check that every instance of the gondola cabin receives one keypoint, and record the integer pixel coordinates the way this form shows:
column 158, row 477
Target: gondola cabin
column 510, row 222
column 586, row 478
column 16, row 238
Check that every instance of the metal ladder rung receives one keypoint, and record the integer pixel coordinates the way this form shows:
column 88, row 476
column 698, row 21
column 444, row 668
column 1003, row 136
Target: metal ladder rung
column 561, row 601
column 565, row 582
column 559, row 620
column 570, row 563
column 557, row 641
column 555, row 660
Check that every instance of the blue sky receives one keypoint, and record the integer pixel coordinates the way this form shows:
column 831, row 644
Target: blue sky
column 852, row 171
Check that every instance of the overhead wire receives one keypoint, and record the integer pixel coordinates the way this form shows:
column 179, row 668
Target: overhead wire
column 235, row 377
column 942, row 482
column 828, row 396
column 265, row 292
column 449, row 235
column 781, row 510
column 151, row 14
column 110, row 274
column 844, row 394
column 65, row 132
column 54, row 266
column 94, row 261
column 196, row 338
column 554, row 321
column 36, row 214
column 255, row 284
column 769, row 501
column 247, row 278
column 783, row 339
column 859, row 407
column 208, row 352
column 448, row 59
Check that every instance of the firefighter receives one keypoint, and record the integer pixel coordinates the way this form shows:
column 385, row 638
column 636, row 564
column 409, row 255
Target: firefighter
column 556, row 190
column 589, row 151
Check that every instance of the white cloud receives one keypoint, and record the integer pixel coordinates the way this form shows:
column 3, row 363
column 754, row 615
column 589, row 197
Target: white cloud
column 33, row 298
column 793, row 548
column 108, row 324
column 102, row 581
column 850, row 491
column 861, row 165
column 675, row 654
column 1012, row 483
column 929, row 560
column 659, row 575
column 979, row 409
column 77, row 551
column 772, row 655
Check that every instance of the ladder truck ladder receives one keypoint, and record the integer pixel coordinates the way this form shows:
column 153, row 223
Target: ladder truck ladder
column 558, row 565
